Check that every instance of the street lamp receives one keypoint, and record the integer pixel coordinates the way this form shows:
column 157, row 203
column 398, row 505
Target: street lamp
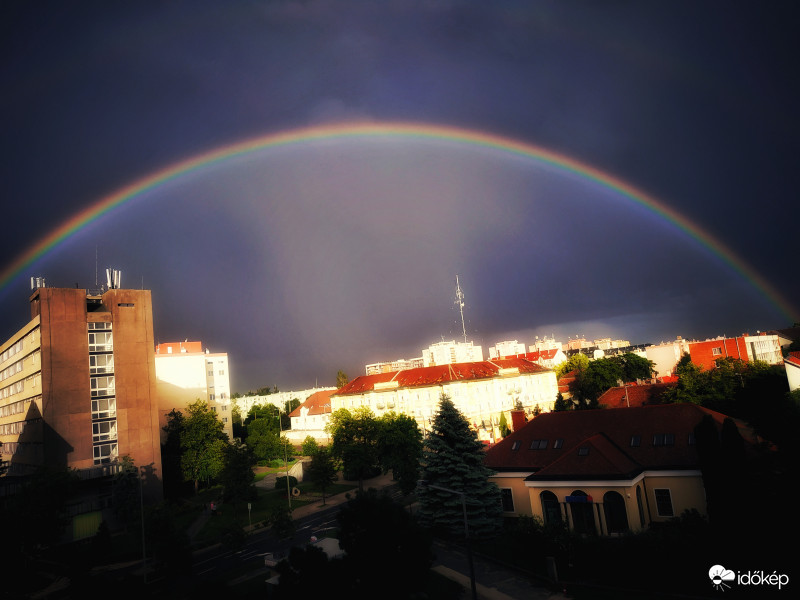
column 422, row 483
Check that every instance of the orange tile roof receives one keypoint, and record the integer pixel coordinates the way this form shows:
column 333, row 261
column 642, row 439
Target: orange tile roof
column 317, row 403
column 633, row 395
column 427, row 376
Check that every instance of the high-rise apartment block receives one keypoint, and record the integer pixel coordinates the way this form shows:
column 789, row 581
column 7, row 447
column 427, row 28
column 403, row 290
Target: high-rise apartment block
column 185, row 373
column 78, row 385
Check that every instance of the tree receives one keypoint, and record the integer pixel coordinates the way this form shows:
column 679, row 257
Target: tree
column 355, row 442
column 322, row 473
column 237, row 475
column 203, row 444
column 125, row 492
column 599, row 376
column 576, row 362
column 341, row 379
column 505, row 430
column 309, row 446
column 453, row 458
column 237, row 423
column 263, row 439
column 634, row 366
column 400, row 448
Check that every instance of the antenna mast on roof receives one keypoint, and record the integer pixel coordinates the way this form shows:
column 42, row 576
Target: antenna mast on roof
column 460, row 303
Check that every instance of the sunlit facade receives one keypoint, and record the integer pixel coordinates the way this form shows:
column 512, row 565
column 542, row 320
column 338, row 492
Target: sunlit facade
column 186, row 373
column 78, row 385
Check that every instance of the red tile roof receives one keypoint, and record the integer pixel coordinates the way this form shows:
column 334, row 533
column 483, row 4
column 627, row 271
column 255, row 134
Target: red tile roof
column 607, row 434
column 427, row 376
column 633, row 395
column 317, row 403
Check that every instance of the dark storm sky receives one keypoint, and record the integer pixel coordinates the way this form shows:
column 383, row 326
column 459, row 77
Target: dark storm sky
column 302, row 260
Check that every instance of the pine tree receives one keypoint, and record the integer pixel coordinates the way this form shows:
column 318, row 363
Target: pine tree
column 453, row 459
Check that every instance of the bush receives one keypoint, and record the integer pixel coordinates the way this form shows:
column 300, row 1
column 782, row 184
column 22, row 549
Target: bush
column 280, row 482
column 310, row 446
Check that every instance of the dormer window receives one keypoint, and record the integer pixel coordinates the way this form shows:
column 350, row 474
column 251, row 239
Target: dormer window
column 558, row 444
column 583, row 451
column 636, row 441
column 538, row 444
column 664, row 439
column 516, row 445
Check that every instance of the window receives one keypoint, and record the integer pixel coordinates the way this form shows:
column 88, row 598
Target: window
column 104, row 408
column 101, row 363
column 583, row 451
column 716, row 351
column 636, row 441
column 664, row 439
column 516, row 445
column 664, row 502
column 101, row 341
column 691, row 438
column 507, row 498
column 104, row 431
column 105, row 453
column 538, row 444
column 558, row 444
column 102, row 386
column 224, row 419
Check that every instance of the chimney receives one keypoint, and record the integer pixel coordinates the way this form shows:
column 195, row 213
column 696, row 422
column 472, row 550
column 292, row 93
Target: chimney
column 518, row 419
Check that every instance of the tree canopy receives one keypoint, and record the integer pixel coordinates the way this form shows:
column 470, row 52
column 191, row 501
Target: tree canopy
column 202, row 442
column 453, row 458
column 400, row 448
column 354, row 438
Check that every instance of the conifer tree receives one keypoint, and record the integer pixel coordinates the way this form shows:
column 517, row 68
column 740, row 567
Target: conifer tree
column 453, row 459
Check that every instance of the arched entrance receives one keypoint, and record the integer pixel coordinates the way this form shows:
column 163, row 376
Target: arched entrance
column 615, row 512
column 582, row 511
column 551, row 511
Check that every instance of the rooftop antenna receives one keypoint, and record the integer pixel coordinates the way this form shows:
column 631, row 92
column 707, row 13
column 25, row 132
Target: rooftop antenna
column 460, row 303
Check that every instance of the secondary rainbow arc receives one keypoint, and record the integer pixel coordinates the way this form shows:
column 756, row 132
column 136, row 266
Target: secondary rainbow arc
column 394, row 129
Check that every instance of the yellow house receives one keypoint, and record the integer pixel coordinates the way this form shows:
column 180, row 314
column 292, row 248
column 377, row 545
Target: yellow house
column 606, row 471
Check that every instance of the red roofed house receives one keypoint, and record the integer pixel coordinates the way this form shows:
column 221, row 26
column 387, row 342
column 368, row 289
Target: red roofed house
column 761, row 347
column 605, row 471
column 311, row 417
column 480, row 390
column 792, row 365
column 633, row 394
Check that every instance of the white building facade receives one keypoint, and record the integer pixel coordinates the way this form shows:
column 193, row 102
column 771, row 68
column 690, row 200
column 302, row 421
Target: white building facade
column 481, row 391
column 185, row 374
column 444, row 353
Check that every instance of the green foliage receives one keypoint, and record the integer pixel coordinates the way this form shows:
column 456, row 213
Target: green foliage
column 355, row 442
column 400, row 448
column 126, row 492
column 634, row 366
column 599, row 376
column 167, row 544
column 341, row 379
column 505, row 430
column 280, row 482
column 263, row 439
column 323, row 472
column 237, row 477
column 576, row 362
column 203, row 443
column 453, row 458
column 310, row 446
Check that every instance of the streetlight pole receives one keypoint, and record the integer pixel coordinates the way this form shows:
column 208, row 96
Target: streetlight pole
column 424, row 483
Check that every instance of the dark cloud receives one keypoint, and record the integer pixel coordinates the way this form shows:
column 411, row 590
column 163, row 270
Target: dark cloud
column 302, row 260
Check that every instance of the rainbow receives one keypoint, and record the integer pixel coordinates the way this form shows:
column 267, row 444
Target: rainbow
column 419, row 131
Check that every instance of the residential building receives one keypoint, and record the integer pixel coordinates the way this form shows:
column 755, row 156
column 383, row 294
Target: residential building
column 310, row 418
column 482, row 391
column 394, row 365
column 606, row 471
column 545, row 343
column 763, row 347
column 506, row 348
column 78, row 391
column 792, row 366
column 636, row 394
column 444, row 353
column 185, row 373
column 665, row 356
column 278, row 399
